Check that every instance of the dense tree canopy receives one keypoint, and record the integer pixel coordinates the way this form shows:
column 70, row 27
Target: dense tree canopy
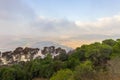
column 84, row 61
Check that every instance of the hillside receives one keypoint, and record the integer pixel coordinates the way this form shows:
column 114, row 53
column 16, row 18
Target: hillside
column 96, row 61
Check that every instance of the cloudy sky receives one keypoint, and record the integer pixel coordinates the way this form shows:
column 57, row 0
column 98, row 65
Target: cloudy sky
column 68, row 22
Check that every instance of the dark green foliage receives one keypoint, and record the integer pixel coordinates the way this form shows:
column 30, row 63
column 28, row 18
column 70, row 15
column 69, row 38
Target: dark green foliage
column 84, row 71
column 7, row 74
column 57, row 65
column 62, row 75
column 109, row 42
column 14, row 72
column 72, row 62
column 116, row 48
column 82, row 64
column 61, row 57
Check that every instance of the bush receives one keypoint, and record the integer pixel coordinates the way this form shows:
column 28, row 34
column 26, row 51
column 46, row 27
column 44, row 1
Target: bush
column 64, row 74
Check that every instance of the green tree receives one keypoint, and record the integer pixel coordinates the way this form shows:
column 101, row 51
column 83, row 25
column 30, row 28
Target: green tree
column 20, row 74
column 7, row 74
column 64, row 74
column 72, row 62
column 109, row 42
column 116, row 49
column 57, row 65
column 61, row 57
column 84, row 71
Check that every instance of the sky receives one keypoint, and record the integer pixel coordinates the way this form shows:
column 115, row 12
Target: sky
column 68, row 22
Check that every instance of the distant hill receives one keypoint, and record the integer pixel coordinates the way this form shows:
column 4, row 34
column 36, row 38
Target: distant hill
column 43, row 44
column 31, row 43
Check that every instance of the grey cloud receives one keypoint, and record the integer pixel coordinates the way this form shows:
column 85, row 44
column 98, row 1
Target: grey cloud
column 12, row 9
column 57, row 27
column 103, row 26
column 99, row 29
column 15, row 16
column 94, row 37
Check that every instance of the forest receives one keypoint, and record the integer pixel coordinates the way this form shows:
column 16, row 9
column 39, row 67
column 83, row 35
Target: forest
column 95, row 61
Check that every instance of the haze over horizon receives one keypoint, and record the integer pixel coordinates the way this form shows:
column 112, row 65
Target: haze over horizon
column 68, row 22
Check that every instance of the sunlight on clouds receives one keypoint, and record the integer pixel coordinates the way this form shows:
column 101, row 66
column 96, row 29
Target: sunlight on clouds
column 105, row 25
column 22, row 21
column 100, row 23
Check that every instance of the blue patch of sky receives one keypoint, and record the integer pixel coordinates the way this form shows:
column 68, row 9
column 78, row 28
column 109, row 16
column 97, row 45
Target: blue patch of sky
column 83, row 10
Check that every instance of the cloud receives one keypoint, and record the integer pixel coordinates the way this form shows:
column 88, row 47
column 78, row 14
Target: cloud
column 15, row 15
column 20, row 21
column 56, row 27
column 103, row 26
column 15, row 9
column 106, row 27
column 18, row 18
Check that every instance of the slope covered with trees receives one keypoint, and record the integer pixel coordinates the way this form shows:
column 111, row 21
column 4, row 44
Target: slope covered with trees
column 96, row 61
